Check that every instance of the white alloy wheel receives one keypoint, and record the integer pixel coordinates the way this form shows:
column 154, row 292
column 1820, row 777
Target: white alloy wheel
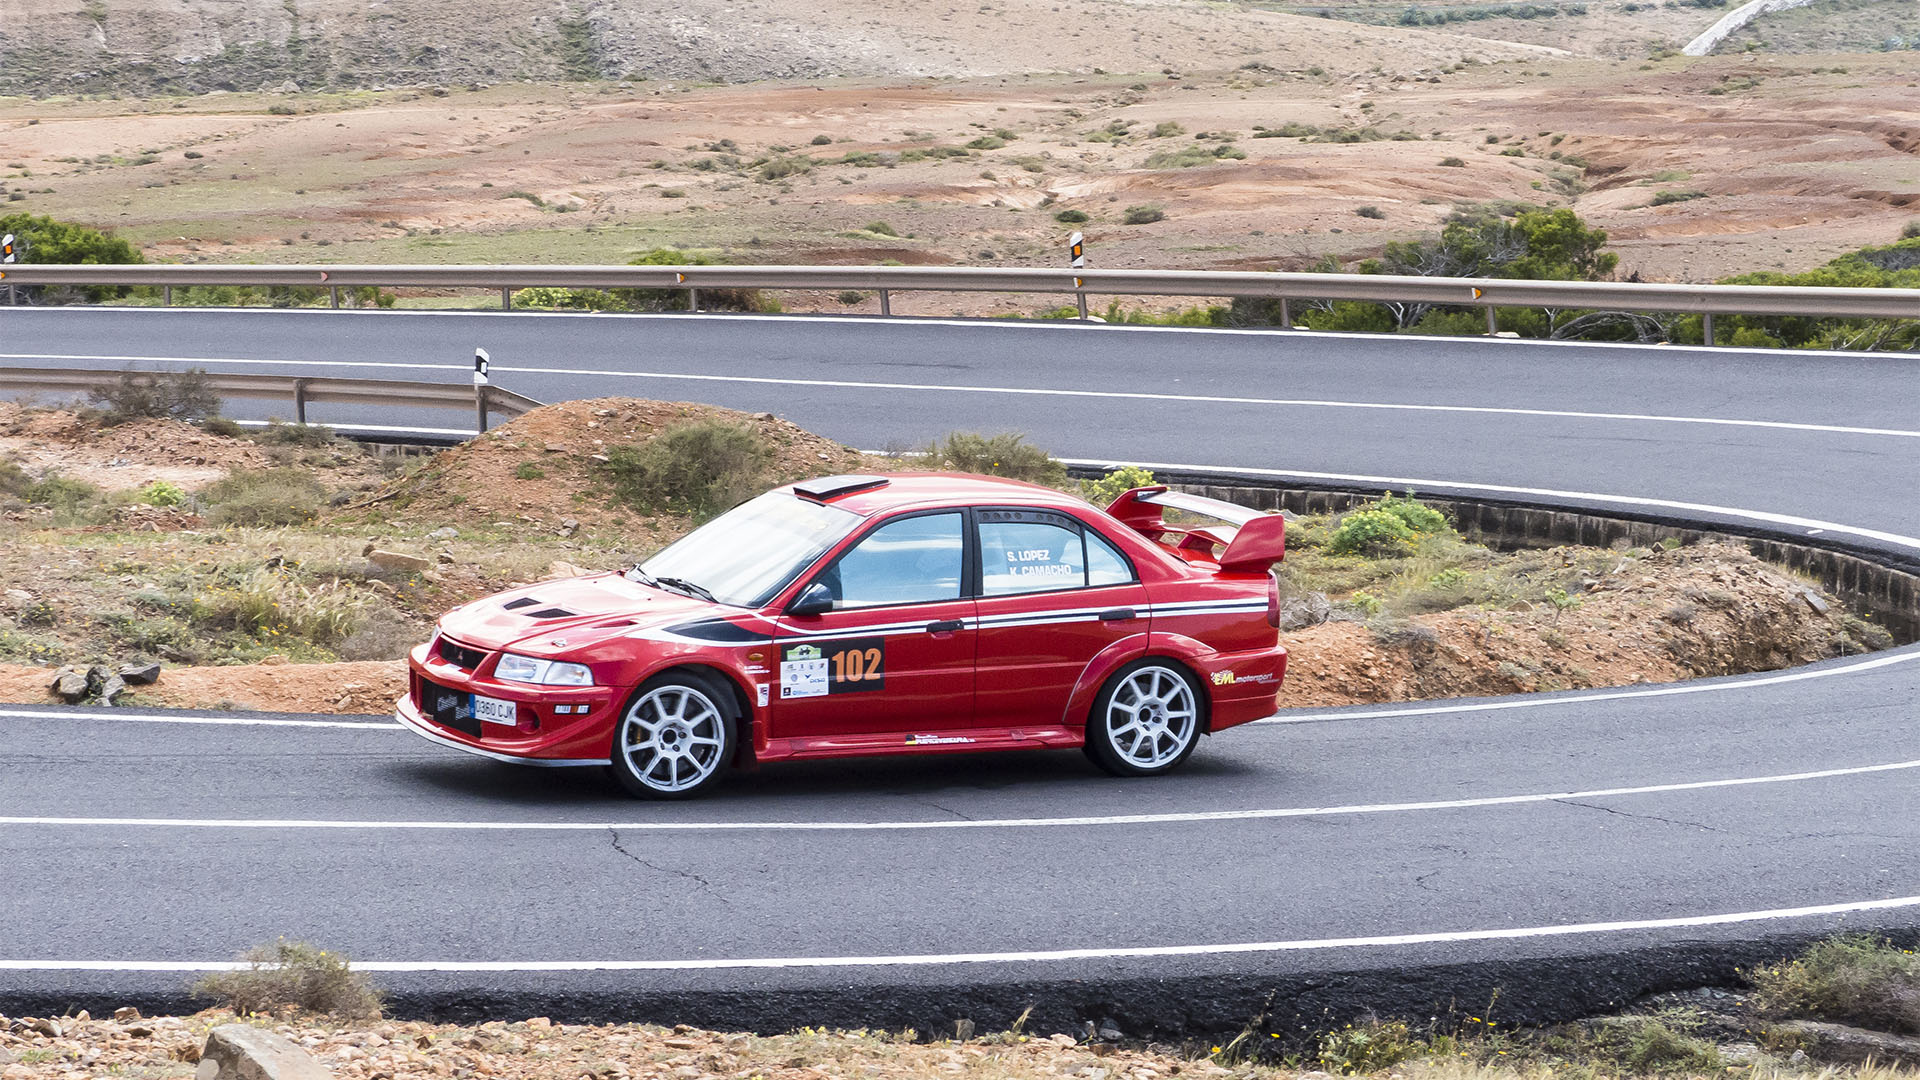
column 1145, row 721
column 673, row 740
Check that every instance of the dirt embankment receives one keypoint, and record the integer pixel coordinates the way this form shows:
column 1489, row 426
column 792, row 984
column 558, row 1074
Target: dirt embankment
column 1711, row 609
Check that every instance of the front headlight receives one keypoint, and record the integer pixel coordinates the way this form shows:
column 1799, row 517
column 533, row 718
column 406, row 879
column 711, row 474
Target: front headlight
column 529, row 669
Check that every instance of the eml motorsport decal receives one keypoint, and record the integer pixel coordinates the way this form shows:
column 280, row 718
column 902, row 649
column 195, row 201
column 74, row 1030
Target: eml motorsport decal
column 1228, row 678
column 836, row 667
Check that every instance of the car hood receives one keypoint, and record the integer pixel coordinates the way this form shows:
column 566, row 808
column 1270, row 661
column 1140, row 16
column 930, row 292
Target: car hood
column 561, row 615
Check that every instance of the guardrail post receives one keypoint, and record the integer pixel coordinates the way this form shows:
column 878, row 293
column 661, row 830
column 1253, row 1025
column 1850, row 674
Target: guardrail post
column 300, row 401
column 693, row 299
column 166, row 296
column 1286, row 314
column 506, row 299
column 333, row 295
column 1706, row 327
column 1493, row 324
column 480, row 408
column 1080, row 299
column 885, row 307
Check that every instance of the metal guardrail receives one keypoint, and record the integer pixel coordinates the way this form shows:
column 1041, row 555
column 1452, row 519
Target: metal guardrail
column 298, row 390
column 1287, row 288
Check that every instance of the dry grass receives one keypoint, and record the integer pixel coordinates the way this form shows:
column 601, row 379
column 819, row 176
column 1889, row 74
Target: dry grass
column 292, row 975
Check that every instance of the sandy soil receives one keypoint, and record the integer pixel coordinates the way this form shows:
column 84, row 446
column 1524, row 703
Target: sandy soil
column 119, row 458
column 1798, row 161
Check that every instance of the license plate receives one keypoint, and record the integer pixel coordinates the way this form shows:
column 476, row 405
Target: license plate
column 495, row 711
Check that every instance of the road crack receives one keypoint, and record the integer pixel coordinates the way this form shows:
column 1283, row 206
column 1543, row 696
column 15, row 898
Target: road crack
column 658, row 869
column 1641, row 817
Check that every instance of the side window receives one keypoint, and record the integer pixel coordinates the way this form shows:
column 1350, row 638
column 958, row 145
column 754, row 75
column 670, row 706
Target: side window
column 913, row 560
column 1025, row 552
column 1105, row 565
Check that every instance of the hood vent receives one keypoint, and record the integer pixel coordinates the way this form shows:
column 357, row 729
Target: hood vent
column 543, row 613
column 516, row 605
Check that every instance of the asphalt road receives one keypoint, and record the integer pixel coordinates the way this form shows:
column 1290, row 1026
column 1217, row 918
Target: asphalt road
column 1575, row 851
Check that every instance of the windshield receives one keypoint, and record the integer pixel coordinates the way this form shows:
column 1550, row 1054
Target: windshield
column 746, row 555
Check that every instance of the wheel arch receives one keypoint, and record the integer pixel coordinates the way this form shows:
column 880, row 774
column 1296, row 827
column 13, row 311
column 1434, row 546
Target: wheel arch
column 737, row 692
column 1201, row 696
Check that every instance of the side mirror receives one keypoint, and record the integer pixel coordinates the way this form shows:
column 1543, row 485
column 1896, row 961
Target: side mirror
column 815, row 599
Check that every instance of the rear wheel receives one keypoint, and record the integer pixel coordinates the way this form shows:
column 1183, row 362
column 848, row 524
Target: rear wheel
column 675, row 739
column 1145, row 721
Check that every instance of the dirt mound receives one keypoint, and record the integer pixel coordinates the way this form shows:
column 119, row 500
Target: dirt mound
column 546, row 468
column 363, row 687
column 1711, row 609
column 124, row 456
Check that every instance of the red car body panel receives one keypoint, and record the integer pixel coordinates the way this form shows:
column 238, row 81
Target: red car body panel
column 978, row 673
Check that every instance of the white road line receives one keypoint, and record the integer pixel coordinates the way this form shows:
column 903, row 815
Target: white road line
column 1444, row 937
column 1058, row 325
column 941, row 824
column 1016, row 391
column 161, row 718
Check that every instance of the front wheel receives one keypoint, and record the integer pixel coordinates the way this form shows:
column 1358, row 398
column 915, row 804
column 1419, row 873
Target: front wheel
column 1145, row 721
column 675, row 738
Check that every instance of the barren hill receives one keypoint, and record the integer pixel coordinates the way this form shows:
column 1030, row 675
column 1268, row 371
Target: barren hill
column 201, row 45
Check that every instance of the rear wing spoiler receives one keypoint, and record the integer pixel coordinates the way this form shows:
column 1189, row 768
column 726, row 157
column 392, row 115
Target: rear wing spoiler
column 1252, row 539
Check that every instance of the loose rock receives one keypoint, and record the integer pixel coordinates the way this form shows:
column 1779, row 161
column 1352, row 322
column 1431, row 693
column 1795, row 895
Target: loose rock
column 241, row 1052
column 397, row 560
column 140, row 675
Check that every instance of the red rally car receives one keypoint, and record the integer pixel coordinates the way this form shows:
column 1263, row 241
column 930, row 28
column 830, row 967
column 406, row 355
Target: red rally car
column 851, row 615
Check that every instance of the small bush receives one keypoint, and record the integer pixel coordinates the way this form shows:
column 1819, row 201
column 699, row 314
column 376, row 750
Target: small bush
column 822, row 140
column 880, row 228
column 61, row 493
column 1369, row 1047
column 850, row 296
column 1416, row 515
column 1070, row 217
column 1371, row 532
column 293, row 975
column 1854, row 980
column 220, row 425
column 698, row 466
column 1664, row 197
column 1373, row 212
column 14, row 480
column 161, row 493
column 547, row 296
column 987, row 142
column 266, row 604
column 170, row 395
column 260, row 497
column 1655, row 1045
column 1453, row 163
column 1143, row 215
column 1107, row 488
column 1007, row 454
column 1165, row 128
column 311, row 436
column 780, row 168
column 527, row 470
column 1911, row 231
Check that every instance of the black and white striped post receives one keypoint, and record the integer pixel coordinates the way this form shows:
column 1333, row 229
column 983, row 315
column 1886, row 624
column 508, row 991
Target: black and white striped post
column 480, row 362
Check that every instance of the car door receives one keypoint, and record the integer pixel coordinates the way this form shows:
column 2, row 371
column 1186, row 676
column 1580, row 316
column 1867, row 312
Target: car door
column 896, row 652
column 1053, row 595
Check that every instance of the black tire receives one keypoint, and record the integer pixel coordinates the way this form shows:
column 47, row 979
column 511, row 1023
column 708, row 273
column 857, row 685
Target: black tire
column 1146, row 720
column 675, row 738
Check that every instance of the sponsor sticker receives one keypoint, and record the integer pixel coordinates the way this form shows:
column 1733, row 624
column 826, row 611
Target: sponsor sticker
column 761, row 691
column 852, row 666
column 1228, row 678
column 936, row 740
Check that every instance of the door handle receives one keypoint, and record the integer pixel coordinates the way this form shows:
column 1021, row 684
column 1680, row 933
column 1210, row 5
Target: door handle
column 945, row 626
column 1119, row 614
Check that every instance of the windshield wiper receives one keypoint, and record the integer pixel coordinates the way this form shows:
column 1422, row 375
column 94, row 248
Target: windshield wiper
column 634, row 573
column 685, row 586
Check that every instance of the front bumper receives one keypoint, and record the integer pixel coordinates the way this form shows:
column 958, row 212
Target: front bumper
column 409, row 716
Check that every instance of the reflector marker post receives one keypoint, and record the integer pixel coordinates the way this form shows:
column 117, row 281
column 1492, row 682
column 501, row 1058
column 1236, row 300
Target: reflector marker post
column 1077, row 259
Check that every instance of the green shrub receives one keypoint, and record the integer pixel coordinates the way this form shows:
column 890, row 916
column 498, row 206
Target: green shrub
column 781, row 167
column 987, row 142
column 1854, row 980
column 220, row 425
column 1373, row 212
column 259, row 497
column 1453, row 163
column 1655, row 1045
column 1165, row 128
column 161, row 493
column 1911, row 230
column 171, row 395
column 1662, row 198
column 1416, row 515
column 14, row 480
column 1104, row 490
column 311, row 436
column 293, row 975
column 44, row 240
column 822, row 140
column 1070, row 217
column 698, row 467
column 527, row 470
column 1371, row 532
column 545, row 296
column 1006, row 454
column 880, row 228
column 271, row 606
column 1143, row 215
column 677, row 299
column 61, row 493
column 1370, row 1047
